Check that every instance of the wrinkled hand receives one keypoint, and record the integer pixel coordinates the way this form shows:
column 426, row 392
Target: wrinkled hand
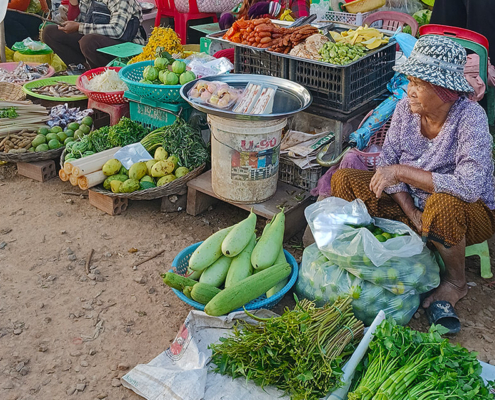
column 416, row 216
column 69, row 27
column 383, row 178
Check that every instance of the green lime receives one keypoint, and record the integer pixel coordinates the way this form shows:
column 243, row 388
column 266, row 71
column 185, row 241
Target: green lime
column 78, row 134
column 42, row 147
column 62, row 136
column 392, row 274
column 54, row 144
column 73, row 126
column 378, row 276
column 56, row 129
column 367, row 261
column 85, row 129
column 39, row 139
column 398, row 289
column 69, row 139
column 378, row 231
column 69, row 133
column 87, row 121
column 31, row 150
column 381, row 238
column 387, row 235
column 43, row 131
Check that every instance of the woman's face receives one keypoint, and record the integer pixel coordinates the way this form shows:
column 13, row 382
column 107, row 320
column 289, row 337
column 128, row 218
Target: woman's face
column 422, row 98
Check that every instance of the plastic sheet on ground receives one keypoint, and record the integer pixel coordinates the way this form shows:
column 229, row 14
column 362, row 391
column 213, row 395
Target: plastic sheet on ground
column 181, row 372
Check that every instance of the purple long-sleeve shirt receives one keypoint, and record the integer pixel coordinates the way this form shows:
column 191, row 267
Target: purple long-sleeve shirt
column 460, row 157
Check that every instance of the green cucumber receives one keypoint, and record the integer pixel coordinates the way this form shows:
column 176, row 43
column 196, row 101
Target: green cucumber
column 239, row 237
column 241, row 266
column 193, row 274
column 216, row 273
column 279, row 286
column 268, row 247
column 203, row 293
column 246, row 290
column 187, row 291
column 280, row 259
column 209, row 251
column 176, row 281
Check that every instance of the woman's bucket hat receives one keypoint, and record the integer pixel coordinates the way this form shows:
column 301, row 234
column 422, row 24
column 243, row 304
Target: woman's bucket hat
column 438, row 60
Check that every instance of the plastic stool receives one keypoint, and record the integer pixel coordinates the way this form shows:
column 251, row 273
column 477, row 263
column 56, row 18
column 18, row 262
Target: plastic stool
column 116, row 111
column 482, row 251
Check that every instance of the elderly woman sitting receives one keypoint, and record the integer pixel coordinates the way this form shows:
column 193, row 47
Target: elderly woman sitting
column 436, row 172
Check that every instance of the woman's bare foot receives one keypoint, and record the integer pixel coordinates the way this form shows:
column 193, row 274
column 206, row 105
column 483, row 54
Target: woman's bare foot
column 447, row 291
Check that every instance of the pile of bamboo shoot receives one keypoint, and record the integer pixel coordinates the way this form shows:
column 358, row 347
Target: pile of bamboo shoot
column 86, row 172
column 30, row 116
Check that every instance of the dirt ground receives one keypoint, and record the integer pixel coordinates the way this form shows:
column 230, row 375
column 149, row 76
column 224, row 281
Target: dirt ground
column 66, row 334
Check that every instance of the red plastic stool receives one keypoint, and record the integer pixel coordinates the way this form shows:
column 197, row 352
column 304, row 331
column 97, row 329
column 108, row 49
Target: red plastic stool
column 116, row 111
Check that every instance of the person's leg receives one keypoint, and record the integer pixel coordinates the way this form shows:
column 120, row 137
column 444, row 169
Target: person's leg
column 89, row 45
column 19, row 27
column 449, row 12
column 451, row 224
column 66, row 46
column 352, row 184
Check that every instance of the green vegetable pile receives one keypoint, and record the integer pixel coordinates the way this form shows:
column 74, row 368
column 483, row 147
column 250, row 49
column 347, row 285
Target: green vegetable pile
column 422, row 17
column 404, row 364
column 122, row 134
column 300, row 352
column 341, row 53
column 182, row 140
column 8, row 113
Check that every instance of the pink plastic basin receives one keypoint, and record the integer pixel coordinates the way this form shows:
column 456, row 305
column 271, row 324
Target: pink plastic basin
column 10, row 66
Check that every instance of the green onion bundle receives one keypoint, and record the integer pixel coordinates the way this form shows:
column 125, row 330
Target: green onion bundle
column 301, row 352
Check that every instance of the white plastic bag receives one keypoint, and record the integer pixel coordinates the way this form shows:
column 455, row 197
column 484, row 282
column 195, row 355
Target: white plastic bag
column 132, row 154
column 330, row 221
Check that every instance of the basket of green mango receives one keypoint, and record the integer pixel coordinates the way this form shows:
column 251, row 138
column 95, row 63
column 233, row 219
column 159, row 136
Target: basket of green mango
column 147, row 180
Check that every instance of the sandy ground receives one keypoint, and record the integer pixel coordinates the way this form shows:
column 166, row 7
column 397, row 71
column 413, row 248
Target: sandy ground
column 66, row 334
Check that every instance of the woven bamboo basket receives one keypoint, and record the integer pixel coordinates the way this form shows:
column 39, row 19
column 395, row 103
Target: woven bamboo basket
column 11, row 92
column 169, row 189
column 32, row 157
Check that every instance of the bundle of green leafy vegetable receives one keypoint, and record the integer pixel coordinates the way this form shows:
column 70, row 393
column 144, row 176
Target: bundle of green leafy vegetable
column 422, row 17
column 126, row 132
column 8, row 113
column 182, row 140
column 404, row 364
column 301, row 352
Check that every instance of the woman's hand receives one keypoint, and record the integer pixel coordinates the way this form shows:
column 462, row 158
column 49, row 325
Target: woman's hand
column 416, row 216
column 383, row 178
column 69, row 27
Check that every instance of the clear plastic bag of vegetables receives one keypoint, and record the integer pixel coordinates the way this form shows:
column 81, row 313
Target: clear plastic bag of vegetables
column 380, row 251
column 322, row 281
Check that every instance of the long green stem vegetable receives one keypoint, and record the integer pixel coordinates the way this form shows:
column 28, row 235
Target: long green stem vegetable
column 182, row 140
column 300, row 352
column 403, row 364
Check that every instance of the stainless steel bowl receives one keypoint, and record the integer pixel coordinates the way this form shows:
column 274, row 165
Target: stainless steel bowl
column 290, row 97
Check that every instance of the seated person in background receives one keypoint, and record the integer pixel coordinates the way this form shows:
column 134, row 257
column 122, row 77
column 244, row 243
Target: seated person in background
column 93, row 25
column 253, row 9
column 436, row 171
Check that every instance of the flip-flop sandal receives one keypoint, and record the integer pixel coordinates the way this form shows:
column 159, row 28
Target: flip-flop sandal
column 442, row 313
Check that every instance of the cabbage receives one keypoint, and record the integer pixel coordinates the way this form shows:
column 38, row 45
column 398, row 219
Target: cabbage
column 422, row 16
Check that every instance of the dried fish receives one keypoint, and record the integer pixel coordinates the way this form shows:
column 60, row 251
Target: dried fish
column 62, row 115
column 23, row 73
column 60, row 89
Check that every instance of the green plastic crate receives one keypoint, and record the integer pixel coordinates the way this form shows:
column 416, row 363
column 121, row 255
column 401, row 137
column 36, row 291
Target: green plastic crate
column 155, row 114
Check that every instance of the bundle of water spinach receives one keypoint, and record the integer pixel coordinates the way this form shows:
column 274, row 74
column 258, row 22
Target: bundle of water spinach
column 301, row 352
column 404, row 364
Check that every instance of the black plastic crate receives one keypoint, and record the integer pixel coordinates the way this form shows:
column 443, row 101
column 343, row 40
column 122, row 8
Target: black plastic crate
column 250, row 61
column 346, row 88
column 290, row 173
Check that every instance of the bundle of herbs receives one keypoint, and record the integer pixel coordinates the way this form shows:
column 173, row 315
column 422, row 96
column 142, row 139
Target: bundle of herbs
column 301, row 352
column 404, row 364
column 126, row 132
column 182, row 140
